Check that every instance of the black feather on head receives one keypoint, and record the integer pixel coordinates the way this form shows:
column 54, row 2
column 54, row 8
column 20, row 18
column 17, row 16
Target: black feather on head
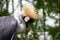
column 29, row 21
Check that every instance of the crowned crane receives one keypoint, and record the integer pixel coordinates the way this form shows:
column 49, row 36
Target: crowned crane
column 9, row 25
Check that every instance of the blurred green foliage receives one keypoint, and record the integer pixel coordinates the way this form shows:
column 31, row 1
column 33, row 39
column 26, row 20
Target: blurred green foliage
column 4, row 12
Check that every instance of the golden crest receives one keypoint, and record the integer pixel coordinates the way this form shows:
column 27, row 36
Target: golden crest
column 30, row 12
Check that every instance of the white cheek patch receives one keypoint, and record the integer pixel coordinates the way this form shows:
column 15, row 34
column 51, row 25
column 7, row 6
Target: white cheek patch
column 26, row 19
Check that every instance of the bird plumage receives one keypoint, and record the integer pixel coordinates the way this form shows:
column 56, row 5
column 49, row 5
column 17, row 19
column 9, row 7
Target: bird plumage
column 29, row 10
column 30, row 13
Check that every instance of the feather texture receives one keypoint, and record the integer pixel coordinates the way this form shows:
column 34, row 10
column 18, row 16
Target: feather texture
column 30, row 11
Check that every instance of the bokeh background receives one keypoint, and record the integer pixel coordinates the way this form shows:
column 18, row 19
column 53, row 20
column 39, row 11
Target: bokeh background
column 47, row 27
